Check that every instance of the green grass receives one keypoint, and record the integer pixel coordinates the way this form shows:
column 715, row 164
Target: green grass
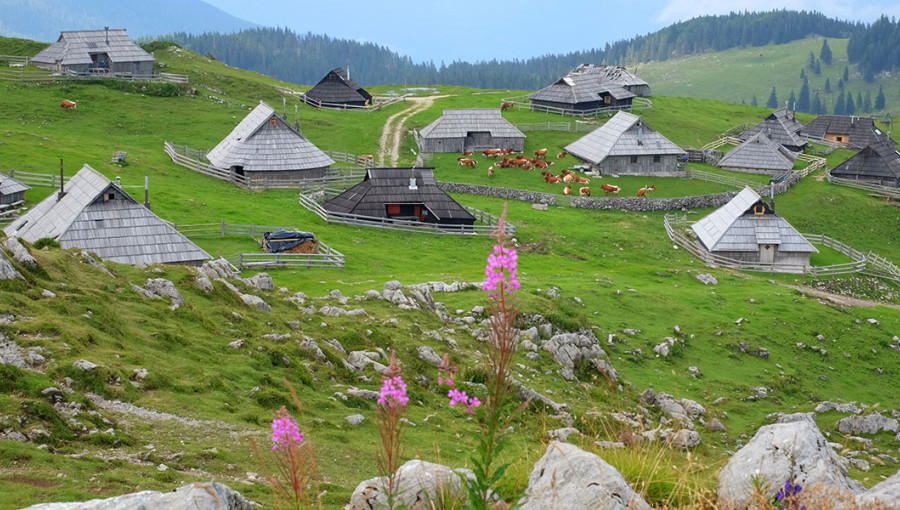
column 591, row 255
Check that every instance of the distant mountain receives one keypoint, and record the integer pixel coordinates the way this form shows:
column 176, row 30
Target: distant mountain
column 42, row 20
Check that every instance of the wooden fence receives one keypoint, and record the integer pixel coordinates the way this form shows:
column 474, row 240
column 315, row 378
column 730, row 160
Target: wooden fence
column 377, row 102
column 700, row 175
column 886, row 191
column 638, row 104
column 179, row 155
column 866, row 263
column 325, row 255
column 576, row 127
column 723, row 140
column 15, row 60
column 33, row 74
column 37, row 179
column 9, row 214
column 487, row 220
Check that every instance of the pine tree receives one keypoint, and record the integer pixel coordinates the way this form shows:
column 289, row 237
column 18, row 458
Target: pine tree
column 850, row 108
column 753, row 101
column 841, row 104
column 811, row 62
column 803, row 99
column 846, row 74
column 773, row 100
column 817, row 106
column 867, row 102
column 802, row 73
column 841, row 84
column 827, row 86
column 818, row 68
column 859, row 101
column 879, row 99
column 792, row 101
column 825, row 54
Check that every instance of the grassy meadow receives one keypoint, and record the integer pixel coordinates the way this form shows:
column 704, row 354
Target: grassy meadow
column 615, row 270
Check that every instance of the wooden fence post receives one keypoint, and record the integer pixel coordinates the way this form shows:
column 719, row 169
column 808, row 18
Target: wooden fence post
column 223, row 228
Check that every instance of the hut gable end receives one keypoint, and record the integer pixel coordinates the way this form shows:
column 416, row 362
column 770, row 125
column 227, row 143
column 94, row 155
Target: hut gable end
column 80, row 50
column 878, row 163
column 759, row 154
column 623, row 135
column 336, row 88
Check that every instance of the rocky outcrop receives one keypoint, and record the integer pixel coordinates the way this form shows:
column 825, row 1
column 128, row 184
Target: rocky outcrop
column 20, row 253
column 420, row 483
column 205, row 496
column 887, row 493
column 163, row 288
column 794, row 451
column 571, row 478
column 7, row 271
column 870, row 424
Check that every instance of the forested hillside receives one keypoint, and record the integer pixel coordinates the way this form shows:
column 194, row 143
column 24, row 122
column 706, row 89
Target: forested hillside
column 876, row 49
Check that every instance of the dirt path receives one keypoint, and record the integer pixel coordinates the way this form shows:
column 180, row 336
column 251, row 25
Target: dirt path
column 845, row 301
column 392, row 135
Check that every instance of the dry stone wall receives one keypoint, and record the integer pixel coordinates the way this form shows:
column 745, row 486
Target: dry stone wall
column 505, row 193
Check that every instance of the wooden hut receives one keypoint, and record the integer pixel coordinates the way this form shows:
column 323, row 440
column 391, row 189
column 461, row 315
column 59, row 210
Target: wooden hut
column 878, row 163
column 401, row 194
column 95, row 214
column 266, row 146
column 747, row 229
column 782, row 127
column 627, row 145
column 470, row 129
column 589, row 87
column 95, row 51
column 12, row 192
column 336, row 89
column 759, row 155
column 847, row 131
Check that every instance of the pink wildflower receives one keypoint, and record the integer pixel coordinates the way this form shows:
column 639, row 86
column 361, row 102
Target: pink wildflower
column 460, row 397
column 285, row 430
column 393, row 392
column 501, row 272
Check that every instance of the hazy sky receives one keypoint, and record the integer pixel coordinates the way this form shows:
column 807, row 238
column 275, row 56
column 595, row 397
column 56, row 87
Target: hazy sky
column 485, row 29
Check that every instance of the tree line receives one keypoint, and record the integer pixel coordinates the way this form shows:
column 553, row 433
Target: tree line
column 307, row 58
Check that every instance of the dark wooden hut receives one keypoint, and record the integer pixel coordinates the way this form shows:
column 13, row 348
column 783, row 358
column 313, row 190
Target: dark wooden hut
column 627, row 145
column 878, row 163
column 337, row 89
column 266, row 146
column 782, row 127
column 470, row 129
column 747, row 229
column 401, row 194
column 589, row 87
column 12, row 192
column 95, row 214
column 848, row 131
column 95, row 51
column 759, row 155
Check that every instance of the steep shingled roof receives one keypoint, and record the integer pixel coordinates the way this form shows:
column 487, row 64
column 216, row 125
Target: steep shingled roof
column 623, row 135
column 263, row 141
column 458, row 122
column 75, row 47
column 781, row 126
column 337, row 88
column 759, row 153
column 878, row 162
column 735, row 227
column 8, row 185
column 587, row 82
column 97, row 215
column 860, row 131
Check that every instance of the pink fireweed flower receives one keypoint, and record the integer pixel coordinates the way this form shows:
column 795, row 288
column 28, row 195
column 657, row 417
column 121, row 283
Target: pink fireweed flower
column 393, row 392
column 460, row 397
column 285, row 430
column 501, row 272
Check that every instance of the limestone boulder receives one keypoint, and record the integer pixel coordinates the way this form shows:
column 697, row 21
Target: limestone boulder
column 205, row 496
column 420, row 483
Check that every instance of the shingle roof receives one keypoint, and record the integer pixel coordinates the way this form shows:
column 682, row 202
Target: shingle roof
column 263, row 141
column 119, row 229
column 8, row 185
column 879, row 161
column 759, row 152
column 734, row 227
column 337, row 88
column 586, row 82
column 76, row 48
column 458, row 122
column 383, row 186
column 781, row 127
column 860, row 131
column 623, row 135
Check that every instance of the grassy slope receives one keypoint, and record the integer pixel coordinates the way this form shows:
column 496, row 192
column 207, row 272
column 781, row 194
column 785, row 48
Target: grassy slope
column 588, row 254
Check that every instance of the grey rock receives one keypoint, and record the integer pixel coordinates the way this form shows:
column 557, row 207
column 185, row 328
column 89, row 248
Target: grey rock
column 309, row 345
column 529, row 335
column 238, row 344
column 140, row 374
column 860, row 464
column 19, row 253
column 887, row 492
column 203, row 283
column 795, row 417
column 276, row 337
column 48, row 294
column 205, row 496
column 53, row 394
column 872, row 321
column 261, row 281
column 568, row 477
column 13, row 435
column 34, row 359
column 363, row 394
column 255, row 302
column 562, row 434
column 609, row 444
column 332, row 311
column 373, row 294
column 85, row 365
column 392, row 285
column 540, row 207
column 355, row 419
column 785, row 451
column 532, row 356
column 420, row 484
column 606, row 369
column 763, row 353
column 218, row 269
column 869, row 424
column 7, row 271
column 567, row 374
column 707, row 279
column 165, row 289
column 662, row 349
column 528, row 345
column 684, row 439
column 824, row 407
column 545, row 329
column 695, row 372
column 428, row 355
column 715, row 425
column 553, row 293
column 693, row 409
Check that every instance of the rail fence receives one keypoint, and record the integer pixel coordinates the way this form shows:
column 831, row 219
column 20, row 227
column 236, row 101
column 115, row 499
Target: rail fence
column 33, row 74
column 723, row 140
column 638, row 104
column 700, row 175
column 9, row 213
column 37, row 179
column 325, row 255
column 15, row 60
column 487, row 220
column 866, row 263
column 887, row 191
column 571, row 127
column 377, row 103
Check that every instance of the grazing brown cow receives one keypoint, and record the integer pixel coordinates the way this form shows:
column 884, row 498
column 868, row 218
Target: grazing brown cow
column 68, row 104
column 506, row 106
column 519, row 162
column 554, row 179
column 365, row 160
column 468, row 153
column 528, row 166
column 568, row 177
column 582, row 180
column 467, row 162
column 491, row 153
column 491, row 172
column 585, row 192
column 643, row 191
column 567, row 190
column 506, row 152
column 609, row 188
column 540, row 153
column 540, row 163
column 562, row 155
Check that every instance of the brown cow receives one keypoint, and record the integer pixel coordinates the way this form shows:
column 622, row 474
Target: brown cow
column 568, row 177
column 467, row 162
column 643, row 191
column 506, row 106
column 540, row 153
column 554, row 179
column 491, row 172
column 567, row 190
column 506, row 152
column 468, row 153
column 540, row 163
column 562, row 155
column 609, row 188
column 68, row 104
column 582, row 180
column 585, row 192
column 491, row 153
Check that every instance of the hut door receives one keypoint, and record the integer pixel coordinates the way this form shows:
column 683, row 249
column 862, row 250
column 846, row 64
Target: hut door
column 767, row 253
column 478, row 140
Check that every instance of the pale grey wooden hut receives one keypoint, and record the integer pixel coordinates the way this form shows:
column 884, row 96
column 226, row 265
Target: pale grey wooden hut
column 748, row 230
column 95, row 51
column 627, row 145
column 878, row 164
column 782, row 127
column 470, row 129
column 12, row 192
column 759, row 155
column 266, row 146
column 95, row 214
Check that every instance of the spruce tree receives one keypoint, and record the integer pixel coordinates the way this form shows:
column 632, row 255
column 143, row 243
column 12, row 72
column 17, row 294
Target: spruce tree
column 817, row 106
column 859, row 101
column 792, row 101
column 879, row 99
column 803, row 99
column 846, row 74
column 811, row 62
column 818, row 68
column 827, row 86
column 773, row 100
column 753, row 101
column 825, row 54
column 840, row 104
column 841, row 84
column 802, row 73
column 850, row 108
column 867, row 102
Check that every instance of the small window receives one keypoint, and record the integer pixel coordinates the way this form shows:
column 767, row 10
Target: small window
column 656, row 158
column 98, row 223
column 109, row 196
column 759, row 209
column 634, row 159
column 839, row 138
column 393, row 209
column 273, row 121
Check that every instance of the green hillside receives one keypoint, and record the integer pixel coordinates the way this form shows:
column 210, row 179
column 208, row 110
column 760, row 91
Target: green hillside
column 614, row 270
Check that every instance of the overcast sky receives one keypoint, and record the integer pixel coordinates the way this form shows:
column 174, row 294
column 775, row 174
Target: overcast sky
column 473, row 30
